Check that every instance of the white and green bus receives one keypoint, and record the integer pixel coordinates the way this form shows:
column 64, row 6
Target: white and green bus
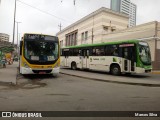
column 130, row 56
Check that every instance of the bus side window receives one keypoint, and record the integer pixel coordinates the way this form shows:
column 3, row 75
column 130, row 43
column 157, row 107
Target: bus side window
column 21, row 43
column 70, row 52
column 126, row 53
column 98, row 51
column 79, row 53
column 61, row 50
column 111, row 50
column 87, row 53
column 94, row 52
column 115, row 50
column 76, row 52
column 65, row 54
column 84, row 53
column 107, row 50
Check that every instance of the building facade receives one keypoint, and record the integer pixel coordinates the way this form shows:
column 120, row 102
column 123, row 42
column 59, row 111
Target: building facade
column 148, row 32
column 127, row 7
column 4, row 37
column 105, row 25
column 90, row 29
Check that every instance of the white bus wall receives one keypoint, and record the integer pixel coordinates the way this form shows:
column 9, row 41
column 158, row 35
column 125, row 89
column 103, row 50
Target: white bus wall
column 76, row 59
column 101, row 63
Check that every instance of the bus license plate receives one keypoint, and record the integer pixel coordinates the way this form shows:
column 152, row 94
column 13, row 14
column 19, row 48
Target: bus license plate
column 42, row 72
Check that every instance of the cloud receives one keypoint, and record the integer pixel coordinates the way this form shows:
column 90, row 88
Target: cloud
column 65, row 12
column 147, row 10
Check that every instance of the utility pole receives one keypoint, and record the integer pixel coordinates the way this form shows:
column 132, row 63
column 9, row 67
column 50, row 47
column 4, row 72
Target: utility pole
column 74, row 2
column 60, row 26
column 14, row 22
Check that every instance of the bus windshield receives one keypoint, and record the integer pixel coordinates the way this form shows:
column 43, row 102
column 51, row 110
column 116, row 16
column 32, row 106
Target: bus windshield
column 42, row 51
column 144, row 53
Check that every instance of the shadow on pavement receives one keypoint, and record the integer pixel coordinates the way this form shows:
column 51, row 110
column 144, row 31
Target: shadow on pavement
column 38, row 76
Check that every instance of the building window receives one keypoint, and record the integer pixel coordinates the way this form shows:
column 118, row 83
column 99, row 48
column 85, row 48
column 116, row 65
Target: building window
column 82, row 37
column 75, row 39
column 61, row 43
column 71, row 38
column 86, row 35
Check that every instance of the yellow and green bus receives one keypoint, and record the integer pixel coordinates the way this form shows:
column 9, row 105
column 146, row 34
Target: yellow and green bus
column 39, row 54
column 129, row 56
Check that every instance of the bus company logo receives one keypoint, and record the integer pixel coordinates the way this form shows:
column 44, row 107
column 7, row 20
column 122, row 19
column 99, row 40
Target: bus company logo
column 6, row 114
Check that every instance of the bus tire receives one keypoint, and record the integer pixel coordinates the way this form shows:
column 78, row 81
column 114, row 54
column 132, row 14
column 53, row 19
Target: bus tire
column 115, row 70
column 73, row 66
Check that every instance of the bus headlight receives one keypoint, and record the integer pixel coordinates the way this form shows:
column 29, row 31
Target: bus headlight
column 26, row 65
column 57, row 65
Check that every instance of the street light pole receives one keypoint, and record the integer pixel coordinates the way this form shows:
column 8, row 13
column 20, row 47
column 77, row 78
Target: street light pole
column 17, row 32
column 14, row 22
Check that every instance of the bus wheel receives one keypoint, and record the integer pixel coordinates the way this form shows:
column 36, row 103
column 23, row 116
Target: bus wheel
column 115, row 70
column 73, row 66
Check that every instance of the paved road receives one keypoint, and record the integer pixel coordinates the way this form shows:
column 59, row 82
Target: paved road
column 72, row 93
column 67, row 93
column 147, row 79
column 77, row 94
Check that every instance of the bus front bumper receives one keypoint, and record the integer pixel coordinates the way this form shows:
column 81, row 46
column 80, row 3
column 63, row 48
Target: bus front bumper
column 54, row 71
column 142, row 70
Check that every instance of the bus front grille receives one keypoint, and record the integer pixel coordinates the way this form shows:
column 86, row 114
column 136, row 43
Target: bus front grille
column 40, row 71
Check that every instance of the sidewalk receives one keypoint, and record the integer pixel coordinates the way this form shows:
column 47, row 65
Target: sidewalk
column 8, row 74
column 106, row 77
column 156, row 72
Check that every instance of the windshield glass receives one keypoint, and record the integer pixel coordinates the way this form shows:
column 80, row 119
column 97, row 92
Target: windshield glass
column 144, row 53
column 42, row 51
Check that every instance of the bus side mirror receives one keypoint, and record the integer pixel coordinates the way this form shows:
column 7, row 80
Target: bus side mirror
column 21, row 43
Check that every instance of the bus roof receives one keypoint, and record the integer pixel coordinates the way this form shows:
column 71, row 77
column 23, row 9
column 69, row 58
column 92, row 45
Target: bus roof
column 104, row 43
column 39, row 34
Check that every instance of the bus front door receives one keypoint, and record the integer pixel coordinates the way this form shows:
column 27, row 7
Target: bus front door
column 66, row 54
column 85, row 58
column 128, row 59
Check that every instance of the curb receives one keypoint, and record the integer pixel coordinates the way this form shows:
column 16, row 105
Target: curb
column 118, row 82
column 155, row 72
column 2, row 83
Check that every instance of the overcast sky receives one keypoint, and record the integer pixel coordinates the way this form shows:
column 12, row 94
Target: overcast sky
column 62, row 11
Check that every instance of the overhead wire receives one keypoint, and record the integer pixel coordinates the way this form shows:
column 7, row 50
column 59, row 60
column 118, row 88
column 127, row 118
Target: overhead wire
column 45, row 12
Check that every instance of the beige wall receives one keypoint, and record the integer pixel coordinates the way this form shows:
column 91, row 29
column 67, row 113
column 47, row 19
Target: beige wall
column 95, row 23
column 141, row 31
column 151, row 43
column 118, row 21
column 158, row 29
